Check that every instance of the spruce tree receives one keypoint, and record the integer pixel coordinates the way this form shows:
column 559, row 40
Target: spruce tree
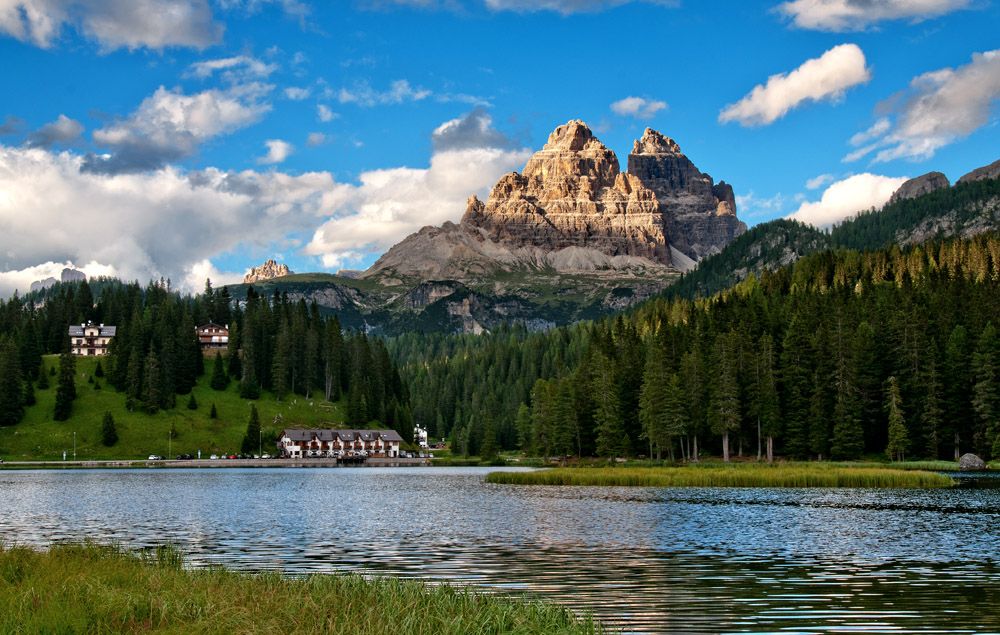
column 29, row 393
column 522, row 422
column 898, row 439
column 43, row 379
column 12, row 389
column 932, row 415
column 985, row 391
column 251, row 440
column 66, row 387
column 213, row 413
column 109, row 434
column 192, row 404
column 724, row 411
column 220, row 379
column 612, row 441
column 99, row 370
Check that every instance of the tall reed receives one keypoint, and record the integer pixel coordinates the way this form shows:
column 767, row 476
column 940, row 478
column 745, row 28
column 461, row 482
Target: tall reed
column 738, row 475
column 86, row 588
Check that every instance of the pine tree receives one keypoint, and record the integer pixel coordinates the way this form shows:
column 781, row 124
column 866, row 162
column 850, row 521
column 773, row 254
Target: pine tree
column 192, row 404
column 29, row 393
column 725, row 400
column 985, row 391
column 109, row 434
column 43, row 379
column 898, row 440
column 152, row 386
column 99, row 370
column 956, row 379
column 769, row 406
column 220, row 379
column 213, row 413
column 797, row 386
column 251, row 440
column 489, row 452
column 932, row 415
column 523, row 425
column 612, row 440
column 66, row 387
column 12, row 390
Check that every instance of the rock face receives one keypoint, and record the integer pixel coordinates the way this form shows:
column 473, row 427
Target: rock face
column 971, row 463
column 990, row 171
column 573, row 209
column 919, row 186
column 67, row 275
column 266, row 271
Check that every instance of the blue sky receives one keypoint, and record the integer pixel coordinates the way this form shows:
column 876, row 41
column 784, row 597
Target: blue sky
column 188, row 139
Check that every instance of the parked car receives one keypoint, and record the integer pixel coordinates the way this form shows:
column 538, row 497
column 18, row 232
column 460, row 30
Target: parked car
column 266, row 456
column 214, row 457
column 153, row 457
column 184, row 457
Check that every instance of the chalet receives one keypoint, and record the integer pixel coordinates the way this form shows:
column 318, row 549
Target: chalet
column 213, row 337
column 299, row 444
column 90, row 339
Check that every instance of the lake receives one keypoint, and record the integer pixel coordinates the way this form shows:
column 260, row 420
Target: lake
column 640, row 559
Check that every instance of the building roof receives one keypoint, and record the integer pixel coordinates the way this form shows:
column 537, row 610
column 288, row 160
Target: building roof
column 343, row 435
column 212, row 325
column 102, row 330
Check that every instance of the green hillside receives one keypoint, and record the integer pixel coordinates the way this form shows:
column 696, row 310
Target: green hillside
column 141, row 434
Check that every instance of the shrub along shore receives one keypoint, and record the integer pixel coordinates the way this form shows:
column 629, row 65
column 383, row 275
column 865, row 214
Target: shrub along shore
column 730, row 475
column 88, row 588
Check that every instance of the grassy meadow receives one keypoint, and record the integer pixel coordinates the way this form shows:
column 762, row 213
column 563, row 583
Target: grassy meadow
column 38, row 437
column 85, row 588
column 730, row 475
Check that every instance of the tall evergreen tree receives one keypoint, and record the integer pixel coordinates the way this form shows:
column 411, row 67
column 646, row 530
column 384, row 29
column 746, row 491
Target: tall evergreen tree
column 725, row 401
column 220, row 379
column 612, row 441
column 66, row 387
column 252, row 438
column 898, row 438
column 11, row 383
column 985, row 391
column 109, row 434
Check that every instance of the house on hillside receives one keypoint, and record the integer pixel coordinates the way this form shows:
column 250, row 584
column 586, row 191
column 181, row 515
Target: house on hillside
column 299, row 444
column 90, row 339
column 213, row 336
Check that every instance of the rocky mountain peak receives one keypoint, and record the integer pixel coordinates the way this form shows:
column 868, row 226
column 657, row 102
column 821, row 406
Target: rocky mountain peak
column 652, row 142
column 574, row 136
column 266, row 271
column 991, row 171
column 923, row 184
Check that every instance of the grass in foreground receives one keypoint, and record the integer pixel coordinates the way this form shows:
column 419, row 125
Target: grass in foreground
column 86, row 588
column 729, row 475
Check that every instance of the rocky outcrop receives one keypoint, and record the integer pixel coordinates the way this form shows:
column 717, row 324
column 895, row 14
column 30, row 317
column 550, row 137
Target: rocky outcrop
column 266, row 271
column 924, row 184
column 971, row 463
column 573, row 209
column 991, row 171
column 67, row 275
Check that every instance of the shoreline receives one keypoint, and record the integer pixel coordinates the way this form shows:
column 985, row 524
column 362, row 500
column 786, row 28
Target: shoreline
column 208, row 463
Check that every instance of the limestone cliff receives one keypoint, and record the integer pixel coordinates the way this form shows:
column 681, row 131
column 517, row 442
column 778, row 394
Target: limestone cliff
column 266, row 271
column 923, row 184
column 572, row 209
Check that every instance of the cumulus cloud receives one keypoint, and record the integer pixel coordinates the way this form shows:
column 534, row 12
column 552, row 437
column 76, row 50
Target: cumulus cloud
column 297, row 94
column 324, row 113
column 638, row 107
column 169, row 126
column 239, row 68
column 474, row 129
column 114, row 24
column 364, row 95
column 277, row 151
column 846, row 198
column 390, row 204
column 63, row 130
column 852, row 15
column 825, row 77
column 169, row 223
column 939, row 108
column 12, row 126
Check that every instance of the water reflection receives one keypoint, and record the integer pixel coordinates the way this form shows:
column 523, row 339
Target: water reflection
column 646, row 560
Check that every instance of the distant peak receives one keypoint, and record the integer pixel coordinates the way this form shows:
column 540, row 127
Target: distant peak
column 652, row 142
column 266, row 271
column 574, row 136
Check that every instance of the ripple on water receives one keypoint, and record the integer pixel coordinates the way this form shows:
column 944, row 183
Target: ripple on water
column 645, row 560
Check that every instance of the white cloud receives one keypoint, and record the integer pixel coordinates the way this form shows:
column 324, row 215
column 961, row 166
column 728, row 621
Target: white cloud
column 316, row 139
column 819, row 181
column 169, row 126
column 388, row 205
column 638, row 107
column 297, row 94
column 753, row 206
column 62, row 130
column 277, row 151
column 325, row 114
column 564, row 7
column 850, row 15
column 846, row 198
column 364, row 95
column 826, row 77
column 474, row 129
column 114, row 24
column 196, row 274
column 21, row 280
column 239, row 68
column 939, row 108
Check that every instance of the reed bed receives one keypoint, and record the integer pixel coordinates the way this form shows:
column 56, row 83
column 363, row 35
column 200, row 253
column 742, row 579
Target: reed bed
column 87, row 588
column 732, row 475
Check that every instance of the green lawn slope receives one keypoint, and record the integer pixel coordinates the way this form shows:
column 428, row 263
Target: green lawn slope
column 38, row 437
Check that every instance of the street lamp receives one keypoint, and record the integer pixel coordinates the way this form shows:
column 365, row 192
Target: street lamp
column 170, row 437
column 74, row 445
column 260, row 443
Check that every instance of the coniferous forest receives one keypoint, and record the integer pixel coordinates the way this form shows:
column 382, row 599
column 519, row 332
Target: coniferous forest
column 841, row 356
column 286, row 348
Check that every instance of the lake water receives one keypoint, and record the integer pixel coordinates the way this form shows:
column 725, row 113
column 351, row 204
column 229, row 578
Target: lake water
column 641, row 559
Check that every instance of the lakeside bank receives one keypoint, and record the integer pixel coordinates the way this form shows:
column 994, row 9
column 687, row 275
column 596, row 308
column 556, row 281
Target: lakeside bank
column 211, row 463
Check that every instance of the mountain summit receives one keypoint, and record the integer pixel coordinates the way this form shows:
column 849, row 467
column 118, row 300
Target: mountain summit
column 572, row 209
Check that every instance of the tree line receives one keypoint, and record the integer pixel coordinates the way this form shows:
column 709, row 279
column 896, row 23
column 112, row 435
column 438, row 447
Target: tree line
column 842, row 355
